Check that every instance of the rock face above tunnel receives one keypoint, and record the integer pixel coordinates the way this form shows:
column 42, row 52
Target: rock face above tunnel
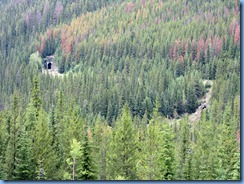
column 48, row 62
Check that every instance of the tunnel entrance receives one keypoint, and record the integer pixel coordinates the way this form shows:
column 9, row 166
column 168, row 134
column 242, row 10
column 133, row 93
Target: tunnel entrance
column 49, row 65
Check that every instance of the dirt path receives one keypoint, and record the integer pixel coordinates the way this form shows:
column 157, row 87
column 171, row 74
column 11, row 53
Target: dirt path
column 194, row 117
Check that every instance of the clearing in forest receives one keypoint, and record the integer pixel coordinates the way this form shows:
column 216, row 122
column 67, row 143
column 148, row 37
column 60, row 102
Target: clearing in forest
column 51, row 69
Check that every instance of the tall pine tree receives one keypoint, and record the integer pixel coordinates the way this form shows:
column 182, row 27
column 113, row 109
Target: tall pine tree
column 123, row 155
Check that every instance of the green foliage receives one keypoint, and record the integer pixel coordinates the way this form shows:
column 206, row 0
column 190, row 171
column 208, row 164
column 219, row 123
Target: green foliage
column 88, row 167
column 35, row 62
column 35, row 98
column 73, row 162
column 11, row 148
column 101, row 141
column 167, row 153
column 40, row 172
column 149, row 164
column 132, row 70
column 123, row 155
column 184, row 152
column 24, row 158
column 43, row 150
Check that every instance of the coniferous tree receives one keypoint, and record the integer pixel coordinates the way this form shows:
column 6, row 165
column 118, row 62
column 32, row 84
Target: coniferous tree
column 101, row 140
column 24, row 158
column 149, row 161
column 43, row 150
column 35, row 98
column 30, row 118
column 88, row 167
column 227, row 149
column 167, row 153
column 3, row 142
column 184, row 152
column 123, row 153
column 11, row 149
column 204, row 158
column 105, row 56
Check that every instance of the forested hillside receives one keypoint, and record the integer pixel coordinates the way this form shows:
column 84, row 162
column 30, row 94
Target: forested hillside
column 103, row 90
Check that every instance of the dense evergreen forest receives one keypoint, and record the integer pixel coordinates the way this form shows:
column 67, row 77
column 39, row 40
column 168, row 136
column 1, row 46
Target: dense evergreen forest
column 125, row 78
